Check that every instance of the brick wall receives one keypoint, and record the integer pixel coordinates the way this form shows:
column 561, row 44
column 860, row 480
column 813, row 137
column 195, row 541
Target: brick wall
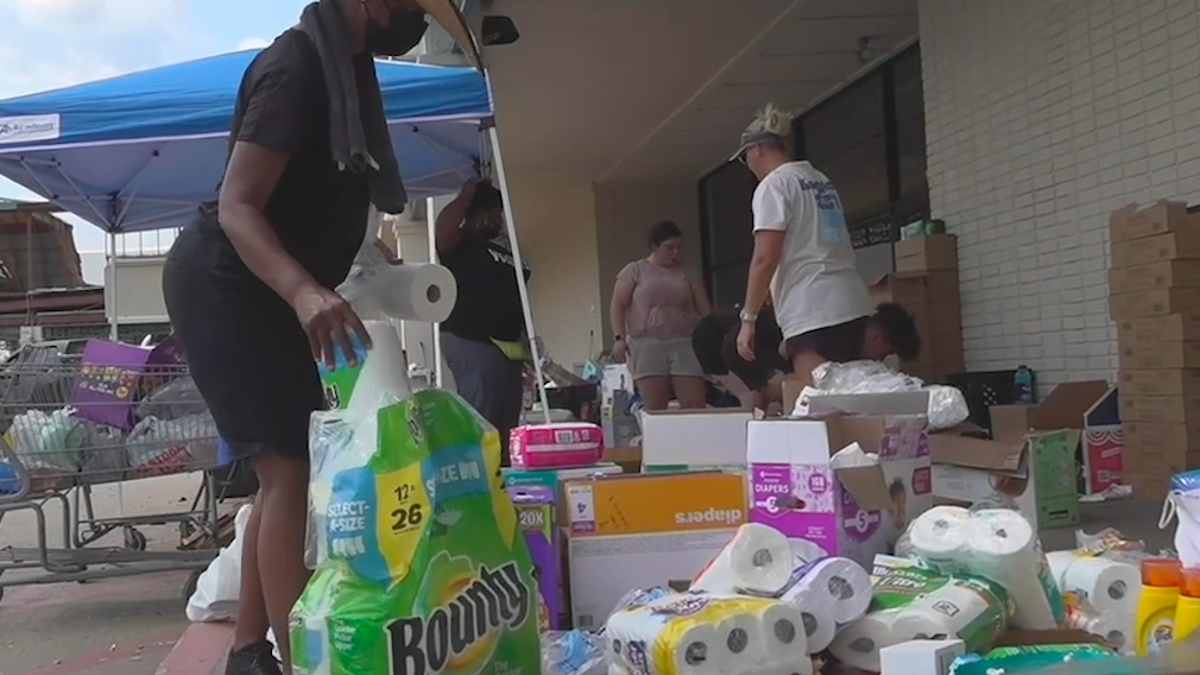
column 1042, row 117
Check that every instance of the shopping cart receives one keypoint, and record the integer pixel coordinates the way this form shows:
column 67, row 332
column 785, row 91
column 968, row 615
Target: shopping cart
column 68, row 427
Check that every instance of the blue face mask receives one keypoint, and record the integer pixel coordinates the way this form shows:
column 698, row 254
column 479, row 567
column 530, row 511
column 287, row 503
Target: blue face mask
column 403, row 32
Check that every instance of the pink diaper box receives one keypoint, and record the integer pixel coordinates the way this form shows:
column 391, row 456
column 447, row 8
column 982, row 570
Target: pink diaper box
column 114, row 375
column 853, row 511
column 556, row 446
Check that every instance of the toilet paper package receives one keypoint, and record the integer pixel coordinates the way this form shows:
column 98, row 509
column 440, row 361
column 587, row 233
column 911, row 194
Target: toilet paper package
column 757, row 561
column 694, row 634
column 828, row 592
column 919, row 604
column 422, row 566
column 998, row 544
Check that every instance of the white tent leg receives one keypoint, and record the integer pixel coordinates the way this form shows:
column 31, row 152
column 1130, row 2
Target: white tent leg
column 111, row 245
column 431, row 224
column 534, row 347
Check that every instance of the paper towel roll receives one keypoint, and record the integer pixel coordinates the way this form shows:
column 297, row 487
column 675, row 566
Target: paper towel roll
column 417, row 292
column 1107, row 586
column 633, row 635
column 758, row 561
column 1003, row 547
column 938, row 537
column 782, row 629
column 816, row 615
column 1059, row 562
column 742, row 639
column 858, row 644
column 837, row 587
column 383, row 378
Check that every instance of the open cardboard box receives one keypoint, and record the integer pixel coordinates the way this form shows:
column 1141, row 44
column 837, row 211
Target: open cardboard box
column 1031, row 459
column 855, row 511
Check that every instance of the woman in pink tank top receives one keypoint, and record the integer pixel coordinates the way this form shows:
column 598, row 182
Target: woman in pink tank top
column 656, row 304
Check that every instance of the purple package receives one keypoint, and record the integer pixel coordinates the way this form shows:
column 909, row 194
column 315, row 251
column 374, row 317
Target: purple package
column 112, row 378
column 535, row 513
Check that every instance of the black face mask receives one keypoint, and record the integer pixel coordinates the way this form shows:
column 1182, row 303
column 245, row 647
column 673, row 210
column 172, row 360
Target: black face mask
column 402, row 33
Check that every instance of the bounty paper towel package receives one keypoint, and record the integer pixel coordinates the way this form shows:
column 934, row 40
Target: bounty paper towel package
column 707, row 635
column 645, row 531
column 997, row 544
column 919, row 604
column 535, row 507
column 421, row 564
column 854, row 511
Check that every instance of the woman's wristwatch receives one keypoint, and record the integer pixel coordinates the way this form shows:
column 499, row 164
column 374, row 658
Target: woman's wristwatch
column 618, row 338
column 748, row 317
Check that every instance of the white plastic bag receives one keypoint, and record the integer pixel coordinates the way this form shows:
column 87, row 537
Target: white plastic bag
column 947, row 407
column 216, row 595
column 1184, row 508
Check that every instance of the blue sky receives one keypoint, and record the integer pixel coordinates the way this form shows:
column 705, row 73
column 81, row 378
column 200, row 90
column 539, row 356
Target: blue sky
column 46, row 44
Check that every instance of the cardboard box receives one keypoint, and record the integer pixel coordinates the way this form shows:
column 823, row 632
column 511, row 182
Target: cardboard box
column 536, row 514
column 854, row 512
column 1156, row 302
column 1147, row 486
column 1031, row 459
column 1165, row 382
column 1156, row 355
column 1165, row 409
column 931, row 253
column 629, row 459
column 1130, row 222
column 920, row 657
column 683, row 440
column 1166, row 274
column 1181, row 327
column 1148, row 437
column 1180, row 245
column 1103, row 446
column 644, row 531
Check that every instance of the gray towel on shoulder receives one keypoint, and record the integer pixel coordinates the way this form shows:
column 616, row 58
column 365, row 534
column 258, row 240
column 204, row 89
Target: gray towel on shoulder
column 359, row 136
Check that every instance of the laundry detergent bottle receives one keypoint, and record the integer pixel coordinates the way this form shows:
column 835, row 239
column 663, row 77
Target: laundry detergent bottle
column 1187, row 612
column 1156, row 610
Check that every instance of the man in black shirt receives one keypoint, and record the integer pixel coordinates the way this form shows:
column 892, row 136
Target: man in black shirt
column 484, row 339
column 249, row 284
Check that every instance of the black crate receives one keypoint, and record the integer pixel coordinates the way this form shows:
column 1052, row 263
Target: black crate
column 984, row 389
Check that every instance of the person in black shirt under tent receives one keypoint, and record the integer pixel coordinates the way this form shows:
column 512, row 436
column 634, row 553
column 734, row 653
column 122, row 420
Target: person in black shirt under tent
column 483, row 340
column 249, row 284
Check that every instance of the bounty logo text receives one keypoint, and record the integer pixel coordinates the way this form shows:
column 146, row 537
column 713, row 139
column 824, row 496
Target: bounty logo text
column 495, row 599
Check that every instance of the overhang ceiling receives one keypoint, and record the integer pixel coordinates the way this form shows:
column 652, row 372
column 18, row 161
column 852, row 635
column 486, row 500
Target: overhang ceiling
column 658, row 90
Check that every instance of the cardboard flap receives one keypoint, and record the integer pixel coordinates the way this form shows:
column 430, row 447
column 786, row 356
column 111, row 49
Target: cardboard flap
column 946, row 448
column 867, row 485
column 890, row 403
column 1066, row 404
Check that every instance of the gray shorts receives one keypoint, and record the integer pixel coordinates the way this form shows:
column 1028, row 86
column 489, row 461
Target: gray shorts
column 652, row 357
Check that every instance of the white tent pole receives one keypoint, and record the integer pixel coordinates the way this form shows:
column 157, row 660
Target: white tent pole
column 431, row 233
column 112, row 293
column 518, row 263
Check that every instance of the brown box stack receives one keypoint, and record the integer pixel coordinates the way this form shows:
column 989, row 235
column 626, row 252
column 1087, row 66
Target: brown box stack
column 1154, row 298
column 926, row 284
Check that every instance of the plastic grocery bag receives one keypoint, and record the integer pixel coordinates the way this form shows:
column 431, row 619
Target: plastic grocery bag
column 218, row 589
column 421, row 565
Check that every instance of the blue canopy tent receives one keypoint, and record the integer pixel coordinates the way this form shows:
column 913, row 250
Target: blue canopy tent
column 139, row 152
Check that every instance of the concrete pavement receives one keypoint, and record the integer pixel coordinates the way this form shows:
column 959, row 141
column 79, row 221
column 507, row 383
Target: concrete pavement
column 123, row 626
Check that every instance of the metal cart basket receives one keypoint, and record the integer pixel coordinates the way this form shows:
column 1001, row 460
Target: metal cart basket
column 68, row 427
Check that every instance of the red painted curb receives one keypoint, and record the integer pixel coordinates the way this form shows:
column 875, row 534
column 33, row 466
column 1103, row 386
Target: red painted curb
column 200, row 651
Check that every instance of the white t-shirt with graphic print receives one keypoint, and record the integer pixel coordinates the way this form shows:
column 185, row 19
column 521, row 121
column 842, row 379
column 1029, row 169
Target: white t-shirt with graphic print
column 816, row 284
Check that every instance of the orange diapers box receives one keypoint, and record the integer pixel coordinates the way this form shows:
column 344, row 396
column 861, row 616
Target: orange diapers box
column 627, row 532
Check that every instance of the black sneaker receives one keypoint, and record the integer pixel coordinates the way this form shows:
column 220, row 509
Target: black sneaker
column 257, row 659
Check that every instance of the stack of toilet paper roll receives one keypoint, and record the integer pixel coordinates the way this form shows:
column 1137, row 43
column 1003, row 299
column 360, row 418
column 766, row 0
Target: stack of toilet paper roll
column 997, row 544
column 761, row 562
column 1107, row 592
column 692, row 634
